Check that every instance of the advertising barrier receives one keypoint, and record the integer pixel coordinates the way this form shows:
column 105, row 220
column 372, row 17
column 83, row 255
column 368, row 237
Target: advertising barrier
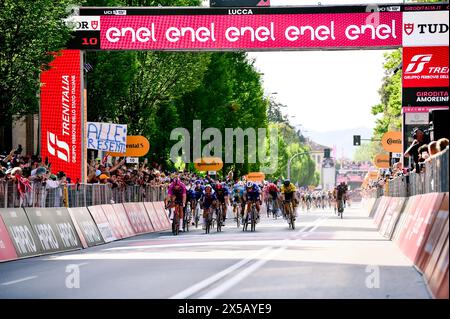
column 124, row 221
column 381, row 210
column 54, row 228
column 438, row 279
column 22, row 235
column 86, row 227
column 154, row 216
column 391, row 216
column 113, row 220
column 7, row 251
column 374, row 207
column 138, row 217
column 404, row 216
column 418, row 224
column 102, row 223
column 163, row 214
column 436, row 230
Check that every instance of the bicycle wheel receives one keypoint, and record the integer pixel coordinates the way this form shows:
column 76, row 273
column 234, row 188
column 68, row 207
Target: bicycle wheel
column 197, row 216
column 253, row 220
column 292, row 220
column 238, row 224
column 219, row 220
column 207, row 224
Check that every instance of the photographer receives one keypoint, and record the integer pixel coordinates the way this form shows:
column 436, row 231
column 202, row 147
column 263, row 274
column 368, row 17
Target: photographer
column 420, row 138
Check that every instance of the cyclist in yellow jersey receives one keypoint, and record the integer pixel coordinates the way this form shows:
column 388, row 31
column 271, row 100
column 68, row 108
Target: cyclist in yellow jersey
column 288, row 191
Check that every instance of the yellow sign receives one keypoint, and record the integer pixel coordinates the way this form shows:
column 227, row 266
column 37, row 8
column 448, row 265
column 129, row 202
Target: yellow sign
column 256, row 177
column 392, row 142
column 137, row 146
column 208, row 164
column 381, row 161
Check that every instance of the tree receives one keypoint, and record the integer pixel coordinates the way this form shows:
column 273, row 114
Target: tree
column 367, row 152
column 390, row 93
column 29, row 32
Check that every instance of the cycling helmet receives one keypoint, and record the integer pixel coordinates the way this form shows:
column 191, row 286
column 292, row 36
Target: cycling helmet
column 241, row 183
column 176, row 181
column 286, row 182
column 249, row 185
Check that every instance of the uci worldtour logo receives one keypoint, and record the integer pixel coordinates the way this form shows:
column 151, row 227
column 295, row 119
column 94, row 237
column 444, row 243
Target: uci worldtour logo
column 57, row 148
column 417, row 63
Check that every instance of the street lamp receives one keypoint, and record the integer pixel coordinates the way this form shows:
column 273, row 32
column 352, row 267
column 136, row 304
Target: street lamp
column 289, row 163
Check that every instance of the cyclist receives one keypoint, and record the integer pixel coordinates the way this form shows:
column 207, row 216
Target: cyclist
column 340, row 192
column 237, row 193
column 252, row 194
column 177, row 194
column 288, row 191
column 198, row 192
column 222, row 194
column 273, row 194
column 207, row 201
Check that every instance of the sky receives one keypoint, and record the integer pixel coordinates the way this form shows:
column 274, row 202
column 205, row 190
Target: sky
column 325, row 91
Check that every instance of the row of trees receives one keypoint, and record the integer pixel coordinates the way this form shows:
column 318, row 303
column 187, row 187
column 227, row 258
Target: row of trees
column 151, row 92
column 388, row 111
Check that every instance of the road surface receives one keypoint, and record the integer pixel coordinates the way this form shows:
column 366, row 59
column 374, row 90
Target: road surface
column 324, row 257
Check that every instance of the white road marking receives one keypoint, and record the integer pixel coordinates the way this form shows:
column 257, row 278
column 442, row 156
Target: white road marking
column 18, row 280
column 268, row 252
column 241, row 275
column 208, row 281
column 249, row 270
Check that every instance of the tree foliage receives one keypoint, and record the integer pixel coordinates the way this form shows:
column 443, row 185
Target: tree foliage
column 29, row 31
column 389, row 109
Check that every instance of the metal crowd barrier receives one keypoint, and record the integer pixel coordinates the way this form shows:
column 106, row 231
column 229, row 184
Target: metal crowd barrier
column 77, row 195
column 433, row 178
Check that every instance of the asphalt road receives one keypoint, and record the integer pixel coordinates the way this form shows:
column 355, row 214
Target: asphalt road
column 324, row 257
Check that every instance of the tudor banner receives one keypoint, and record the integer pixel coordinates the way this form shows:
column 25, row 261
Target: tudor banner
column 61, row 114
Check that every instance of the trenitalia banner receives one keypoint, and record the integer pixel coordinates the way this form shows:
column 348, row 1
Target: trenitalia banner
column 425, row 66
column 61, row 114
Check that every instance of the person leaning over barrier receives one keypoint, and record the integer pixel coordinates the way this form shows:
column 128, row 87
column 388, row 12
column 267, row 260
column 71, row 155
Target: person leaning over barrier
column 442, row 144
column 420, row 138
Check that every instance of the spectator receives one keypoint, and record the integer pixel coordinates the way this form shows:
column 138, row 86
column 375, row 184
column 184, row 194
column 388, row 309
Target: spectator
column 420, row 138
column 442, row 144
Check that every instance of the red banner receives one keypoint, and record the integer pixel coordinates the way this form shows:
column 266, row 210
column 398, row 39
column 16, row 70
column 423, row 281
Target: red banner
column 61, row 117
column 425, row 66
column 7, row 251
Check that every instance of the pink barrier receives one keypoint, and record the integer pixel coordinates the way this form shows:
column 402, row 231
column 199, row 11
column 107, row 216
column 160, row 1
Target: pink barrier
column 154, row 218
column 381, row 210
column 138, row 217
column 113, row 221
column 391, row 216
column 124, row 221
column 418, row 224
column 439, row 227
column 7, row 250
column 163, row 214
column 102, row 223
